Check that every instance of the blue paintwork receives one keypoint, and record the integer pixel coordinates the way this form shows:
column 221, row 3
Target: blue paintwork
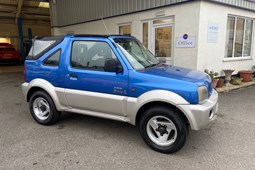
column 182, row 81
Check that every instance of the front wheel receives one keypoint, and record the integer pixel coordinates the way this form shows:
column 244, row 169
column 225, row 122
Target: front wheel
column 43, row 109
column 163, row 129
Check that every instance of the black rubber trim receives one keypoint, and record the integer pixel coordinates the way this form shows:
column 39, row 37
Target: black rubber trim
column 102, row 36
column 59, row 37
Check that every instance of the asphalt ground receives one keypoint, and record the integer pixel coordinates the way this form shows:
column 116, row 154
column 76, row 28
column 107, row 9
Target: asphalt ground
column 84, row 142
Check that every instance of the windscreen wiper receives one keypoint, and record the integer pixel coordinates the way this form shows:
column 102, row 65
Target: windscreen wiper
column 152, row 65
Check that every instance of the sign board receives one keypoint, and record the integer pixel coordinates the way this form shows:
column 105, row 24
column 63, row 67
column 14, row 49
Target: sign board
column 185, row 42
column 213, row 33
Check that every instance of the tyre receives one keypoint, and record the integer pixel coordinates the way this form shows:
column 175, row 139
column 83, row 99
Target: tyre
column 43, row 109
column 163, row 129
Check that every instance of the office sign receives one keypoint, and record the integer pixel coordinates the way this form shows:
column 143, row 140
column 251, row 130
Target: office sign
column 212, row 33
column 185, row 41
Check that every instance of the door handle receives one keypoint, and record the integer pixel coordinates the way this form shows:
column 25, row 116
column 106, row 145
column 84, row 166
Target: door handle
column 72, row 75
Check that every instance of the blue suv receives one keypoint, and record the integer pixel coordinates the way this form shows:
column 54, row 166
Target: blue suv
column 116, row 77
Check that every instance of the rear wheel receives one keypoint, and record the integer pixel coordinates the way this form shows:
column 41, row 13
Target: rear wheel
column 163, row 129
column 43, row 109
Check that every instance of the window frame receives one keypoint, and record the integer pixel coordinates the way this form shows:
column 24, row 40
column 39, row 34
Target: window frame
column 58, row 50
column 242, row 57
column 86, row 68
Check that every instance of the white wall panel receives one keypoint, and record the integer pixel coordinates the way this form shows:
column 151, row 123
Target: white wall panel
column 211, row 55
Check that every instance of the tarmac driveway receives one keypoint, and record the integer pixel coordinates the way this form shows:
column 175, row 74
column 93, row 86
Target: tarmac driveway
column 83, row 142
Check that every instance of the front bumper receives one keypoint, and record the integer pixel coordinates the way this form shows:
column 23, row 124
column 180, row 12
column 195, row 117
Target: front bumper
column 201, row 115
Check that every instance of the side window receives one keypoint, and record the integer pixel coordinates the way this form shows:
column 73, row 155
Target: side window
column 91, row 55
column 54, row 59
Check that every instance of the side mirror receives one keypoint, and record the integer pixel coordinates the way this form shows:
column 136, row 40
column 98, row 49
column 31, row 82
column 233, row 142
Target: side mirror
column 112, row 65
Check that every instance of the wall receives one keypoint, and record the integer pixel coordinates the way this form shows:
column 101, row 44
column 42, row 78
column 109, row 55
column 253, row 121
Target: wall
column 211, row 55
column 90, row 10
column 186, row 22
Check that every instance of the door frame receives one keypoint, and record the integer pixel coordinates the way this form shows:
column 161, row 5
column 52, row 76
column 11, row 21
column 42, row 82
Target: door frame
column 76, row 94
column 153, row 38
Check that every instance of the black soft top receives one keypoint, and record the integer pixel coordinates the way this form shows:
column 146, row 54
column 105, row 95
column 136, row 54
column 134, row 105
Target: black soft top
column 57, row 38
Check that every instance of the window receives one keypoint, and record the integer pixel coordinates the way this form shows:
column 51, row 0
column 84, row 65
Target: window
column 145, row 34
column 91, row 55
column 39, row 46
column 239, row 37
column 54, row 59
column 125, row 30
column 248, row 37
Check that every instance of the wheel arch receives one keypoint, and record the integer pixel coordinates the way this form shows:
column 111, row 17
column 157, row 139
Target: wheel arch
column 136, row 106
column 40, row 84
column 158, row 103
column 32, row 90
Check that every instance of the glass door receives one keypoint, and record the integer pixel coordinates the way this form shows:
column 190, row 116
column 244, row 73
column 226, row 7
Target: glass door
column 163, row 40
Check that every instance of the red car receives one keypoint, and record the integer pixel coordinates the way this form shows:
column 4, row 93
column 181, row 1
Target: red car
column 8, row 54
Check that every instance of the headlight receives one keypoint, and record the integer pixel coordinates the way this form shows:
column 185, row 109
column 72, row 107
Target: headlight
column 202, row 94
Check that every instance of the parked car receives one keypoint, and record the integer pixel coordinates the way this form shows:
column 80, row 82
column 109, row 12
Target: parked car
column 115, row 77
column 8, row 54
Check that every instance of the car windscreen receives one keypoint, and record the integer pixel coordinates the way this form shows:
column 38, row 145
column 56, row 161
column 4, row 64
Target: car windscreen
column 137, row 55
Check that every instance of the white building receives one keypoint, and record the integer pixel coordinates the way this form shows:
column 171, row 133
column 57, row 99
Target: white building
column 198, row 34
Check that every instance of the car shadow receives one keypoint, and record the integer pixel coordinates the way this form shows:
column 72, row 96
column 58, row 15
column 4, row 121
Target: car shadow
column 101, row 127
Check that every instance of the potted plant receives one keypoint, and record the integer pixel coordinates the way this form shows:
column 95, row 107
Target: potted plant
column 246, row 75
column 236, row 81
column 213, row 75
column 228, row 73
column 220, row 83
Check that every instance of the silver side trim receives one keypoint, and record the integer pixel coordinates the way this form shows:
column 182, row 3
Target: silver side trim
column 117, row 107
column 24, row 87
column 57, row 94
column 98, row 102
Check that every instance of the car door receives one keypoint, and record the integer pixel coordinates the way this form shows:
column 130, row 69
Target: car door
column 88, row 85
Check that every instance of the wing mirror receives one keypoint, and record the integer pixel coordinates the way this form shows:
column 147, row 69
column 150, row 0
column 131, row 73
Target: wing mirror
column 112, row 65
